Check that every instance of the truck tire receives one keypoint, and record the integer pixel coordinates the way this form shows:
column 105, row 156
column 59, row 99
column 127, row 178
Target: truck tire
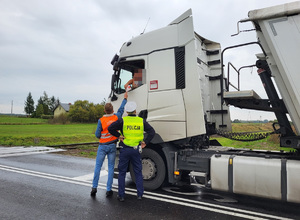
column 154, row 169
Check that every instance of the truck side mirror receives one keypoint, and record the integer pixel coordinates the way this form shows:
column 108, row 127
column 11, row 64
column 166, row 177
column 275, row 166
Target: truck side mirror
column 113, row 79
column 116, row 67
column 114, row 60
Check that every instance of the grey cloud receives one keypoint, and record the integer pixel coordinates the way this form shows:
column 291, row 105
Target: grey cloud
column 65, row 47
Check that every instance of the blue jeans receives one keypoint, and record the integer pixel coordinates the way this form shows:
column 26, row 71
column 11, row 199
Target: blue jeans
column 110, row 151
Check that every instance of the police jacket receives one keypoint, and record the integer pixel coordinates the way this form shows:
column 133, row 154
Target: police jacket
column 118, row 126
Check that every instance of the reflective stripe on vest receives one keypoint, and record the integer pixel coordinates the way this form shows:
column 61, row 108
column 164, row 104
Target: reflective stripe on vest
column 105, row 122
column 133, row 130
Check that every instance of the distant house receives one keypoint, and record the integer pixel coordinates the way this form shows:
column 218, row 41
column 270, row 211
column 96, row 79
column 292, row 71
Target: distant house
column 62, row 108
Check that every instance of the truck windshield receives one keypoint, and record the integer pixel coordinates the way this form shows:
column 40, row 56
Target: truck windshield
column 125, row 76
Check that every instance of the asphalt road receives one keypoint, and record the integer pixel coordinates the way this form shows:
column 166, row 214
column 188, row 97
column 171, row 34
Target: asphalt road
column 36, row 183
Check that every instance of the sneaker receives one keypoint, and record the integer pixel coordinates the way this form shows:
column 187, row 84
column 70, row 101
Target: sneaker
column 139, row 197
column 94, row 191
column 121, row 199
column 109, row 193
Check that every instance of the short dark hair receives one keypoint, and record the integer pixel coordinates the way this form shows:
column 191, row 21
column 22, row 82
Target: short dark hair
column 108, row 108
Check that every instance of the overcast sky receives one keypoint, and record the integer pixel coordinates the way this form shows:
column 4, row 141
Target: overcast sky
column 64, row 47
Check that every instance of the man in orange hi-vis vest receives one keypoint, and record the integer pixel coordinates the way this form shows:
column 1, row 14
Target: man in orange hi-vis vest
column 107, row 145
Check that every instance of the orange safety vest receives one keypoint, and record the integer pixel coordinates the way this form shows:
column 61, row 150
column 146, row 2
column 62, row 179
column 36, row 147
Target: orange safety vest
column 106, row 137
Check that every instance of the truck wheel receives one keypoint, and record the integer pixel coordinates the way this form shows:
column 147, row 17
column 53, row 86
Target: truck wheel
column 154, row 169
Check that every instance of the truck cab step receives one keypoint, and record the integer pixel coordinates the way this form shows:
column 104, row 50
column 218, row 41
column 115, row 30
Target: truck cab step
column 198, row 179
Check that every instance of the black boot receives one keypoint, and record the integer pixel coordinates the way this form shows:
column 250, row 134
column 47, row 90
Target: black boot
column 109, row 193
column 93, row 192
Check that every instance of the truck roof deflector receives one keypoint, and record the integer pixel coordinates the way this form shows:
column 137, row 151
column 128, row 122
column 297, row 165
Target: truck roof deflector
column 182, row 17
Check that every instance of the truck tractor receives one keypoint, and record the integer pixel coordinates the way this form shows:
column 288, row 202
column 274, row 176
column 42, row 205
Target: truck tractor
column 182, row 90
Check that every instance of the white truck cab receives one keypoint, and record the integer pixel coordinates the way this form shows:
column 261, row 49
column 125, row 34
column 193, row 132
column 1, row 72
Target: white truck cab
column 178, row 88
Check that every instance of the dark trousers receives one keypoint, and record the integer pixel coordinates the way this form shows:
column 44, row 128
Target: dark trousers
column 130, row 154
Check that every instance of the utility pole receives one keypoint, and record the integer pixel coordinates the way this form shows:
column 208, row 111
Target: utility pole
column 12, row 105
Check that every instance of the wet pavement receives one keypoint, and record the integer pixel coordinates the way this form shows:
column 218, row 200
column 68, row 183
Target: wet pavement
column 44, row 185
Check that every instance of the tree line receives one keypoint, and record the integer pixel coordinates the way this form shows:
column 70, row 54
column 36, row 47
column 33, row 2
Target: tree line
column 45, row 105
column 80, row 111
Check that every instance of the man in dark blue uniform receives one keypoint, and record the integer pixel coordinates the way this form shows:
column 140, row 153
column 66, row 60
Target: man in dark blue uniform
column 132, row 138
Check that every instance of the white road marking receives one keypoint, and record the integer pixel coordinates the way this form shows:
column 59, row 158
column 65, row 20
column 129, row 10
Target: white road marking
column 21, row 151
column 85, row 177
column 90, row 176
column 155, row 196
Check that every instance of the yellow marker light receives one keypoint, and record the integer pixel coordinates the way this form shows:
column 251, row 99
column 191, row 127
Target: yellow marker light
column 176, row 173
column 230, row 161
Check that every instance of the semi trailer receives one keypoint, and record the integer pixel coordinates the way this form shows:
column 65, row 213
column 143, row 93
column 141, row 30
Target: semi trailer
column 182, row 89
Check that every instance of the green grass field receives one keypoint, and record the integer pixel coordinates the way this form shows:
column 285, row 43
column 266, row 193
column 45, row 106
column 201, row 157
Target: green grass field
column 37, row 132
column 4, row 120
column 16, row 131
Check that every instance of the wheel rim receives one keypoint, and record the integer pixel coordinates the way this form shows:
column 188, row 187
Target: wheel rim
column 149, row 169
